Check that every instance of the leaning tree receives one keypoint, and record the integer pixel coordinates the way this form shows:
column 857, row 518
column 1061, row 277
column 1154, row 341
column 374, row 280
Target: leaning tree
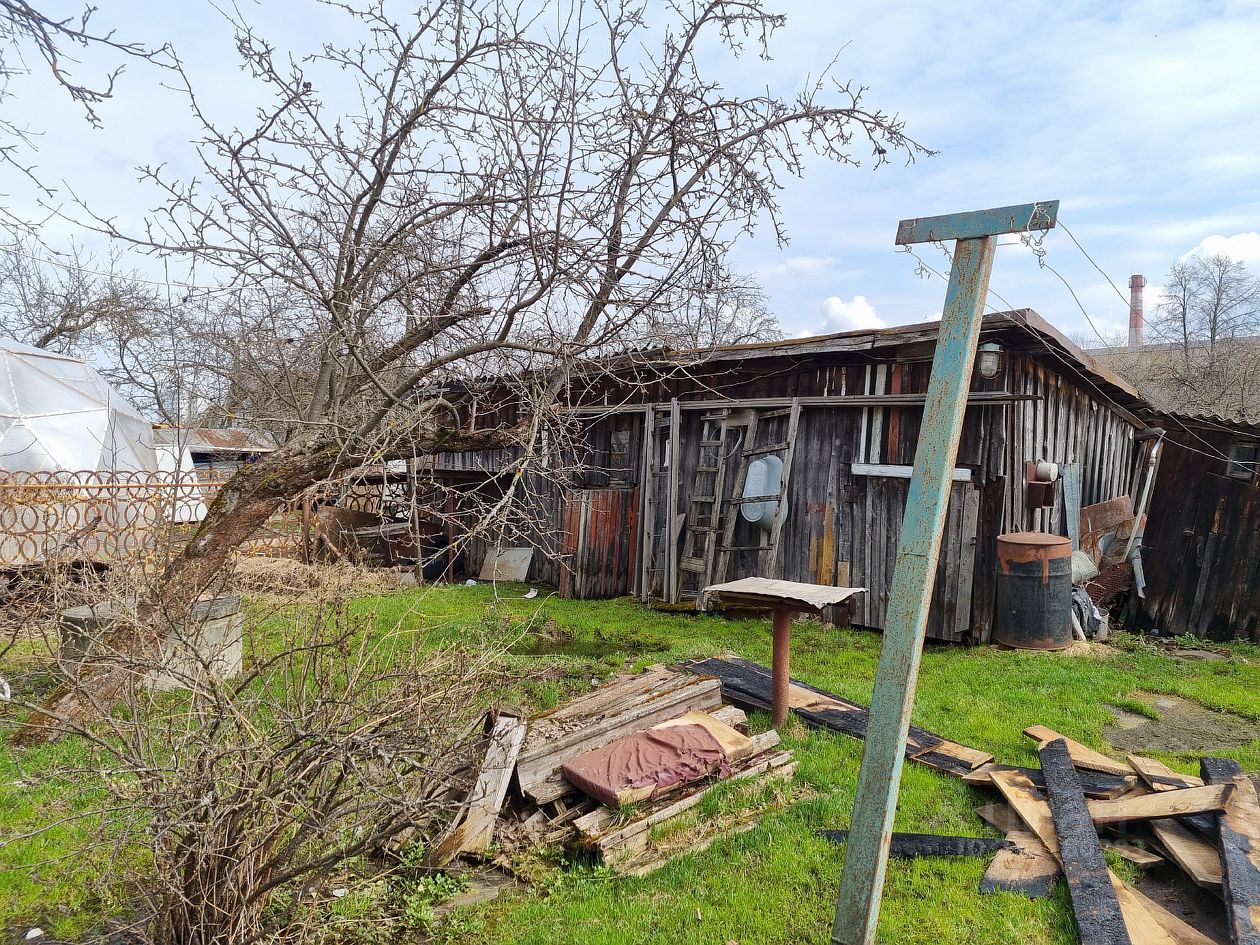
column 501, row 188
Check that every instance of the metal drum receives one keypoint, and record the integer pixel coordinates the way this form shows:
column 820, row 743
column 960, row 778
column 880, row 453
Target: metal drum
column 1034, row 591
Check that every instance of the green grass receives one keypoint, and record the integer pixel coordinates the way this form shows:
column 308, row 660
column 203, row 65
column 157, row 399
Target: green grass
column 774, row 884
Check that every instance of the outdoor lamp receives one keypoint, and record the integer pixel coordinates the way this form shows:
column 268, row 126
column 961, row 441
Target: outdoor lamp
column 989, row 359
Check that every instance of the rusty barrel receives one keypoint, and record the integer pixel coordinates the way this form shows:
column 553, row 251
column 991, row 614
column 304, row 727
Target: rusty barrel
column 1034, row 591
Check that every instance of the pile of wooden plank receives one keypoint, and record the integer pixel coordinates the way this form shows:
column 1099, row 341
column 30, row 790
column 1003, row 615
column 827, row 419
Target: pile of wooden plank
column 522, row 800
column 1058, row 818
column 1208, row 826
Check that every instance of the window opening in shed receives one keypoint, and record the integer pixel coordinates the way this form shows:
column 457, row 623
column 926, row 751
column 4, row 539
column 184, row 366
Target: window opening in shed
column 1242, row 461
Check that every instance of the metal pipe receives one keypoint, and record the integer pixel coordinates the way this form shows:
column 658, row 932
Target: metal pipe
column 1152, row 463
column 780, row 684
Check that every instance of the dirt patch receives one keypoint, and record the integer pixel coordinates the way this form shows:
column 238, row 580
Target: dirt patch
column 1171, row 889
column 286, row 577
column 1182, row 726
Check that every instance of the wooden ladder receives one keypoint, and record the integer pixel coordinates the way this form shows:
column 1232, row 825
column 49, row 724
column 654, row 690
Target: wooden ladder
column 700, row 537
column 769, row 558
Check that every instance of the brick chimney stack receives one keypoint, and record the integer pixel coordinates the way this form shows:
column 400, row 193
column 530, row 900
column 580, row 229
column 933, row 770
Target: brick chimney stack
column 1137, row 318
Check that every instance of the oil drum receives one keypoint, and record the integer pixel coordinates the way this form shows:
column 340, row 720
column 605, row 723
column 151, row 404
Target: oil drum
column 1034, row 591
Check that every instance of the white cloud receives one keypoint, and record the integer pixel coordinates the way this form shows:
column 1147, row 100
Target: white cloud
column 1242, row 247
column 796, row 267
column 858, row 315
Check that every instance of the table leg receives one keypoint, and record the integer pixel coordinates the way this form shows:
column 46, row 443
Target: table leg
column 781, row 673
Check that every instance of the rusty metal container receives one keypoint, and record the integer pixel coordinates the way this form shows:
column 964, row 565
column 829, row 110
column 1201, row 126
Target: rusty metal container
column 1034, row 591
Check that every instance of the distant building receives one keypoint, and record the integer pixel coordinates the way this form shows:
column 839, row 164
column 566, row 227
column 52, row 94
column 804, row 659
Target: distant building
column 213, row 453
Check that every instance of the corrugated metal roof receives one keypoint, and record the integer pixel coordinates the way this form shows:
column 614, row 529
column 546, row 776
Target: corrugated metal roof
column 1034, row 328
column 1238, row 424
column 209, row 440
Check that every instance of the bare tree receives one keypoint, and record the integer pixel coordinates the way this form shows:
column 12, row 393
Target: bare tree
column 1203, row 350
column 1208, row 301
column 29, row 37
column 514, row 189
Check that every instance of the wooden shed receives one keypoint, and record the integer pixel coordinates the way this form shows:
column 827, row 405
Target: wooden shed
column 1201, row 546
column 672, row 444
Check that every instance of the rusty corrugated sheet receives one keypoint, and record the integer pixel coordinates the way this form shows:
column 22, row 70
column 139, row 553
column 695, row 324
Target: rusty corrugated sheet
column 209, row 440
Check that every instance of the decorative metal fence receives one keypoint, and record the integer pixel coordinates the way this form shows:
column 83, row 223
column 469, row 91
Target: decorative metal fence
column 106, row 516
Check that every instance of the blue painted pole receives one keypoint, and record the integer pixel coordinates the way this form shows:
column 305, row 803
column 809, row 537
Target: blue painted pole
column 866, row 857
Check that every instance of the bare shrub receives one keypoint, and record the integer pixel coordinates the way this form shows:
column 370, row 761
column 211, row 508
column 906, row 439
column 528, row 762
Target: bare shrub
column 229, row 802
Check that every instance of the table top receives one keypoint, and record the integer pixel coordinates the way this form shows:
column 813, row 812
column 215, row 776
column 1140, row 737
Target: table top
column 766, row 592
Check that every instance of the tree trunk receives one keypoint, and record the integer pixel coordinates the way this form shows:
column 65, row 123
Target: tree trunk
column 243, row 505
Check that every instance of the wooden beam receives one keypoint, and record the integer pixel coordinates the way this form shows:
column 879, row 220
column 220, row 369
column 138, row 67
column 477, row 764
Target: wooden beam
column 977, row 224
column 1082, row 755
column 1099, row 920
column 974, row 399
column 910, row 594
column 1210, row 798
column 910, row 845
column 1240, row 862
column 1159, row 777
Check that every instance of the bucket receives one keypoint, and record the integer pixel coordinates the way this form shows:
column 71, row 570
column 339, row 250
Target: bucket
column 1034, row 591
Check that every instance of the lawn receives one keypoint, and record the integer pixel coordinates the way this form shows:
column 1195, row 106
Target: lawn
column 774, row 884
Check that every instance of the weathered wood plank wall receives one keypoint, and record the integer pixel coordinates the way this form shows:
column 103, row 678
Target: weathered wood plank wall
column 842, row 527
column 1201, row 548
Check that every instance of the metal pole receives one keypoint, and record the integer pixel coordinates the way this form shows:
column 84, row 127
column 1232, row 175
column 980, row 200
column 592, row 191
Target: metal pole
column 781, row 672
column 861, row 887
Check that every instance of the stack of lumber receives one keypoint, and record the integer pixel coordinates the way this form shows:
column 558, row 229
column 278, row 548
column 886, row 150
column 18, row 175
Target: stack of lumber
column 1060, row 817
column 522, row 800
column 1208, row 827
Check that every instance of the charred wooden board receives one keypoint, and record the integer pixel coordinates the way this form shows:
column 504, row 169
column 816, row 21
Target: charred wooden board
column 1240, row 862
column 1219, row 770
column 1082, row 755
column 747, row 685
column 1095, row 783
column 929, row 844
column 1099, row 920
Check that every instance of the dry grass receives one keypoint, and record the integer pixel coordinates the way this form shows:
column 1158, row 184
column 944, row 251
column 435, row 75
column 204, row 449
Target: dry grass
column 286, row 577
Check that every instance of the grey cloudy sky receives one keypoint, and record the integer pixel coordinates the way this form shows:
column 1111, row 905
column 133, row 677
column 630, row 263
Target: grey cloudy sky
column 1142, row 118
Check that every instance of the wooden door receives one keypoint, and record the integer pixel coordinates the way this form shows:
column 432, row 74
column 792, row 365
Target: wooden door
column 600, row 538
column 878, row 510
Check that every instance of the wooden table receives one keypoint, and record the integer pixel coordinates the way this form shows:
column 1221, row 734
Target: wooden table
column 784, row 599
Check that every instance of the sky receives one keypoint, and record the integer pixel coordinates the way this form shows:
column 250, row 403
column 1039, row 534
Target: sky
column 1142, row 118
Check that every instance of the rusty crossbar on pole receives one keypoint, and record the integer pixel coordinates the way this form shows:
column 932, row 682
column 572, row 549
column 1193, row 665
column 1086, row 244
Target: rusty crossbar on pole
column 861, row 886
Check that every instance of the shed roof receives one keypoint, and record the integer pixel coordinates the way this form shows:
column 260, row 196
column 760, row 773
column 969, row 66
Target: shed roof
column 1020, row 329
column 210, row 440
